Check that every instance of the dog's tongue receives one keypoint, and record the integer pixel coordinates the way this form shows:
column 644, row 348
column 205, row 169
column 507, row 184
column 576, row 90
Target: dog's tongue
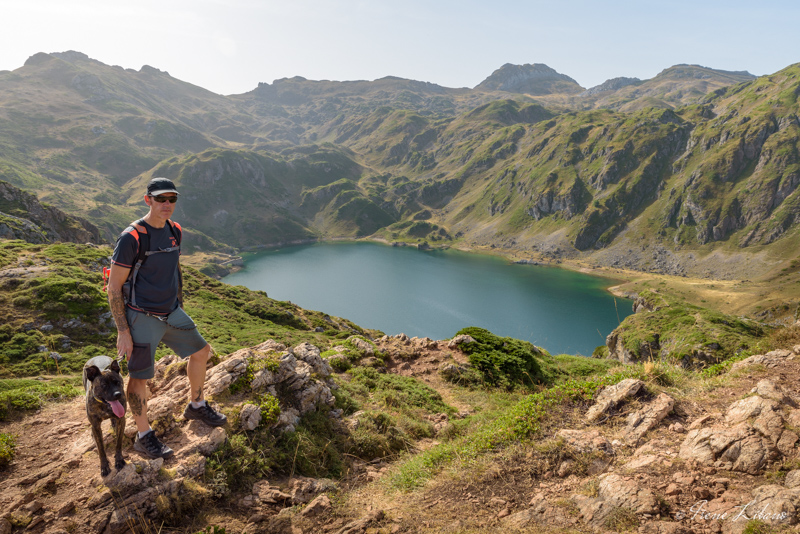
column 119, row 411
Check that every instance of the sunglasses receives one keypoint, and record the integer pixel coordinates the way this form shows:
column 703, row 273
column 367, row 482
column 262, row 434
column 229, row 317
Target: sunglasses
column 161, row 200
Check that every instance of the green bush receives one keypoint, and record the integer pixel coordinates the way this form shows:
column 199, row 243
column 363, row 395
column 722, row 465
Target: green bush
column 7, row 445
column 377, row 435
column 504, row 361
column 270, row 409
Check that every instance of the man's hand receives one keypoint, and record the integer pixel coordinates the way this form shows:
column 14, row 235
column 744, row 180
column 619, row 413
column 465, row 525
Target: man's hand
column 124, row 344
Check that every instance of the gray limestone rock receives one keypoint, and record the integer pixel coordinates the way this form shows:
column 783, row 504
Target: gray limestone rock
column 639, row 423
column 458, row 340
column 611, row 396
column 250, row 416
column 740, row 448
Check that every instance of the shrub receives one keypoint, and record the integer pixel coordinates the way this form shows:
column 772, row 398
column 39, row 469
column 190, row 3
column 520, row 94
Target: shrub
column 270, row 409
column 505, row 361
column 7, row 445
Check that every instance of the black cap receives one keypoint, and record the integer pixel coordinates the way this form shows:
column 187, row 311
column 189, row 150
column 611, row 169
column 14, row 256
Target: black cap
column 159, row 186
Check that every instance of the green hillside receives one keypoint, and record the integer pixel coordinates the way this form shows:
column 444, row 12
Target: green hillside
column 689, row 173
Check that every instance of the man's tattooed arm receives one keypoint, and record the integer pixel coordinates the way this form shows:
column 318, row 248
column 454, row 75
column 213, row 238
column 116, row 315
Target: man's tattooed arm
column 117, row 304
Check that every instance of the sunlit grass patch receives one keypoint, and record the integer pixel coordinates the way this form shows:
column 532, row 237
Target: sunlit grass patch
column 503, row 427
column 17, row 395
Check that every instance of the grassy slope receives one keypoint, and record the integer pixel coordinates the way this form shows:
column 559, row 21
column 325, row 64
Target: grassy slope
column 65, row 285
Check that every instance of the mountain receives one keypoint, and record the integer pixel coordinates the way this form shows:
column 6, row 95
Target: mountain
column 652, row 175
column 674, row 87
column 614, row 84
column 533, row 79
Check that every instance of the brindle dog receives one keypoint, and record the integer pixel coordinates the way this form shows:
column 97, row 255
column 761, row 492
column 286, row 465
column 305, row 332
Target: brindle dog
column 105, row 399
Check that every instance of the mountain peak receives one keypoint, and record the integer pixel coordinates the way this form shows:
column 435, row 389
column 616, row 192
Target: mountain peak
column 699, row 72
column 612, row 84
column 531, row 78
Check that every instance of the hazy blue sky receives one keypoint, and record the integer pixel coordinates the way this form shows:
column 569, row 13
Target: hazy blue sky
column 228, row 46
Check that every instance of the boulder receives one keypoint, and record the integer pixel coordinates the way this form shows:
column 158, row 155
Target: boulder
column 747, row 408
column 612, row 396
column 770, row 360
column 453, row 372
column 769, row 390
column 774, row 505
column 619, row 491
column 320, row 505
column 792, row 479
column 458, row 340
column 250, row 416
column 740, row 448
column 310, row 354
column 304, row 489
column 225, row 373
column 268, row 494
column 639, row 423
column 301, row 377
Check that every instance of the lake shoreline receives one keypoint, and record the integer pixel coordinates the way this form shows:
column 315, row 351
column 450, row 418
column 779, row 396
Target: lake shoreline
column 621, row 283
column 436, row 294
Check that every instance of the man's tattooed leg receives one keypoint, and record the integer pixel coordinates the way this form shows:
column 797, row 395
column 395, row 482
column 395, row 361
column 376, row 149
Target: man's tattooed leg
column 136, row 403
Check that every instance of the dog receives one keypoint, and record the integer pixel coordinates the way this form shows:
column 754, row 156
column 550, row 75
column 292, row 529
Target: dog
column 105, row 399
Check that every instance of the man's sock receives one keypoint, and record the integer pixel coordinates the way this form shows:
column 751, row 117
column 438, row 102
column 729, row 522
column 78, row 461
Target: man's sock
column 196, row 405
column 142, row 434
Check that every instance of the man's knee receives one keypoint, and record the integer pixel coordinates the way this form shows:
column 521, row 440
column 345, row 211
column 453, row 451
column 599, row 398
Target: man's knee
column 202, row 355
column 136, row 384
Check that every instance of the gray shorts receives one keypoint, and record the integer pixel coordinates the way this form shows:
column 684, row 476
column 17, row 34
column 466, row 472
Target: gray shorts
column 178, row 333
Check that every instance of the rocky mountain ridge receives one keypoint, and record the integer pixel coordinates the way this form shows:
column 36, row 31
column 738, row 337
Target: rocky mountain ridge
column 544, row 176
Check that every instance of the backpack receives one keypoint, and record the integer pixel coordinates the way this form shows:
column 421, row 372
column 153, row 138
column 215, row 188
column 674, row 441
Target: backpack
column 139, row 231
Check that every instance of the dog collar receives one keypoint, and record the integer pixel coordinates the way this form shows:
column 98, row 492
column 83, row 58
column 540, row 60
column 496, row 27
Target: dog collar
column 99, row 400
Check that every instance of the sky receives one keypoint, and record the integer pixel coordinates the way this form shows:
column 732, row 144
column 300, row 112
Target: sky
column 229, row 46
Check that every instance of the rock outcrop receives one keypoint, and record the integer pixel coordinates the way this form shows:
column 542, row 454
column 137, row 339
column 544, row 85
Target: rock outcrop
column 612, row 396
column 753, row 435
column 24, row 217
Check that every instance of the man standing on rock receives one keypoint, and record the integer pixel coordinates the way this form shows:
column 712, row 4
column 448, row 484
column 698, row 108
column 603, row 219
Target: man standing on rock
column 145, row 294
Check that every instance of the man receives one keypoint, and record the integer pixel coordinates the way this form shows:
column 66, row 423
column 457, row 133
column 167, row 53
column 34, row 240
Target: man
column 144, row 291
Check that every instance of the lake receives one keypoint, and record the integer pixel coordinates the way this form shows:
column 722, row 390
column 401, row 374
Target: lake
column 435, row 293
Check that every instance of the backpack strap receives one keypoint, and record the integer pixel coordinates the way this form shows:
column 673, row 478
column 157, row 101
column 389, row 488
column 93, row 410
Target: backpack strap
column 138, row 230
column 177, row 232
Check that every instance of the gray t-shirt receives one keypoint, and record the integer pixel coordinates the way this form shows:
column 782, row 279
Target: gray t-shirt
column 158, row 281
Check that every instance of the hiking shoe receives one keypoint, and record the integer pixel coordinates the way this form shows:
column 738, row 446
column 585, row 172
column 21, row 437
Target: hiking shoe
column 206, row 414
column 150, row 446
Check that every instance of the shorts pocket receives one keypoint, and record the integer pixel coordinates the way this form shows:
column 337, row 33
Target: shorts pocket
column 131, row 316
column 180, row 321
column 140, row 358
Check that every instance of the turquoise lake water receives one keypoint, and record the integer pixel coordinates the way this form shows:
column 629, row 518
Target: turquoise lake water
column 436, row 293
